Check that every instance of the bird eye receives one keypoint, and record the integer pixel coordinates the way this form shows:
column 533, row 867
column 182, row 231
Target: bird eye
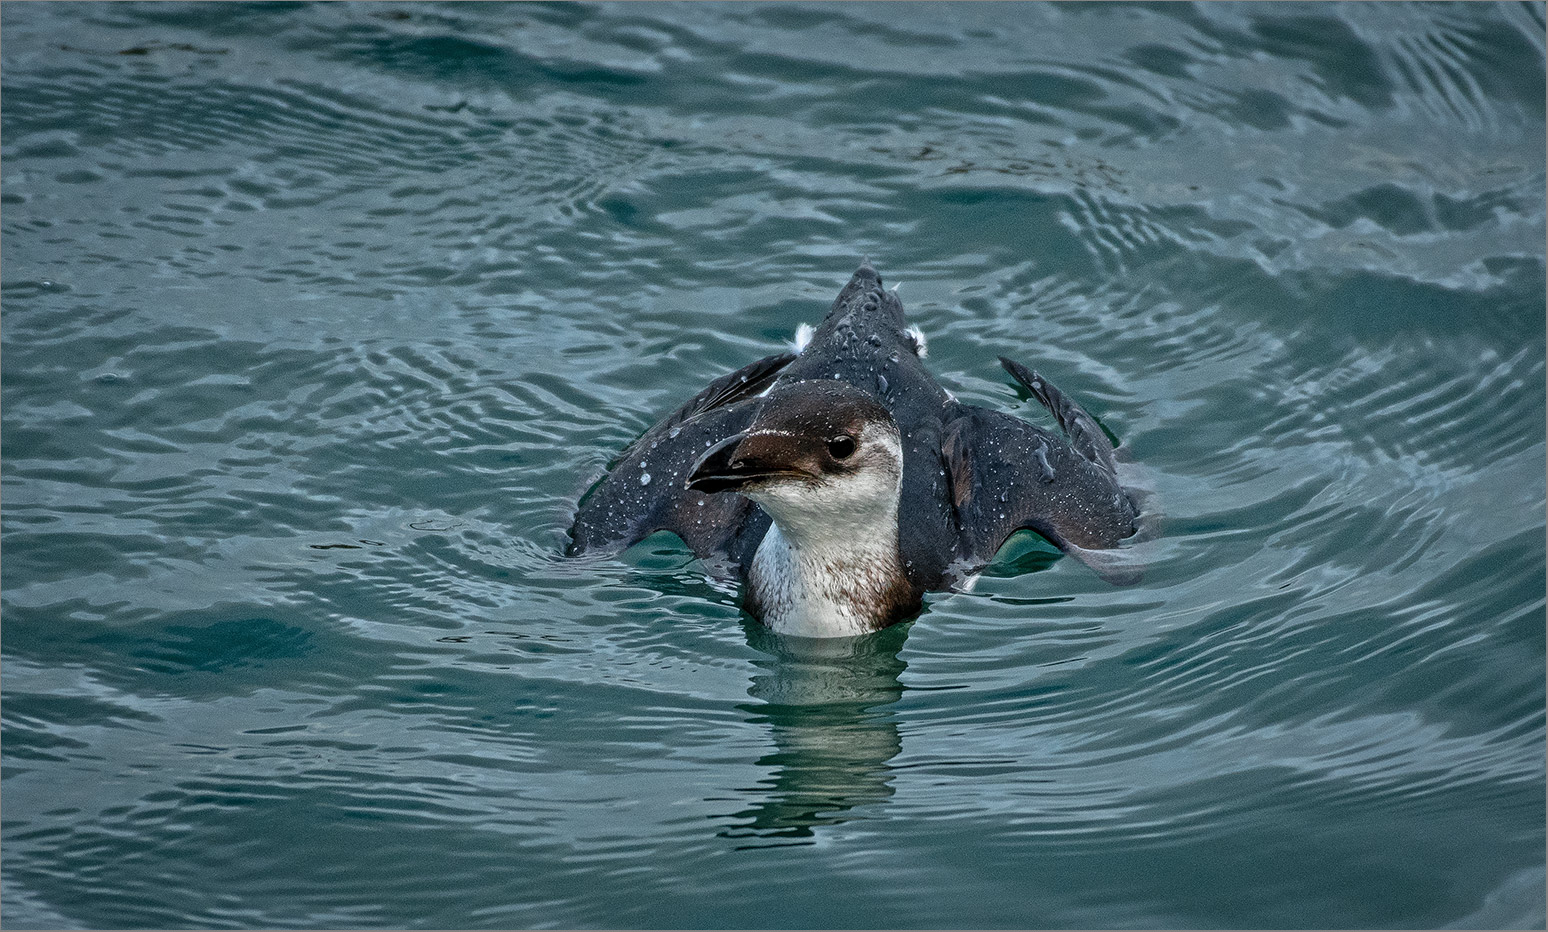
column 842, row 447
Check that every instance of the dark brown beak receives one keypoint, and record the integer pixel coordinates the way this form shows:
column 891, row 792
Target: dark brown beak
column 733, row 463
column 714, row 471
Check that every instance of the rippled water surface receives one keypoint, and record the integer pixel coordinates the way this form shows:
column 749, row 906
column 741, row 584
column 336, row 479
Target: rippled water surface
column 318, row 319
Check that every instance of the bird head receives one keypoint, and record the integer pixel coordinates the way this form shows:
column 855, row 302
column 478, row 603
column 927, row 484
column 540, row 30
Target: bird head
column 821, row 457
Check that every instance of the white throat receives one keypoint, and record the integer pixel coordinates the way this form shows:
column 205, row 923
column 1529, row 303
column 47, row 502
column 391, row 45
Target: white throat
column 823, row 592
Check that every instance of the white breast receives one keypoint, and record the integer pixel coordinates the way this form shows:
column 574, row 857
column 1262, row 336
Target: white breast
column 823, row 594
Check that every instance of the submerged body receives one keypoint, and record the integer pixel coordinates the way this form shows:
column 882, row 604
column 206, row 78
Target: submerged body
column 840, row 482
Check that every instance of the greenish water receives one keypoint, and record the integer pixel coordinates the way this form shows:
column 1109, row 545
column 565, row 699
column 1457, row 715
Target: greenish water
column 317, row 320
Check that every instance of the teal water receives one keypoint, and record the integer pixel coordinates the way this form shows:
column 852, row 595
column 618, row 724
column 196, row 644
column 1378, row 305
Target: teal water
column 317, row 320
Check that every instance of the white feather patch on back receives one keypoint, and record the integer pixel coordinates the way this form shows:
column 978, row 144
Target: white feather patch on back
column 918, row 337
column 803, row 337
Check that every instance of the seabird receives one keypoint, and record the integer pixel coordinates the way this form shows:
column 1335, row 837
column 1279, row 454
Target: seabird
column 839, row 482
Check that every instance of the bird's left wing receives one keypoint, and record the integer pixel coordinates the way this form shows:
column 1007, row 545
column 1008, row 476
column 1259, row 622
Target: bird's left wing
column 643, row 491
column 1006, row 474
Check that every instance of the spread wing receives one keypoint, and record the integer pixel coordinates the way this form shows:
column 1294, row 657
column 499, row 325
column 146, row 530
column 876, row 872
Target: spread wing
column 643, row 491
column 1006, row 474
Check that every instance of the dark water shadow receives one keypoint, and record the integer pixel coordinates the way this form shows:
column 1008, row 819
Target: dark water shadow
column 826, row 702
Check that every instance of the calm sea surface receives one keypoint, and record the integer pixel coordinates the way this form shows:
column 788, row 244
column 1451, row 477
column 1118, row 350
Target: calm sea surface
column 319, row 318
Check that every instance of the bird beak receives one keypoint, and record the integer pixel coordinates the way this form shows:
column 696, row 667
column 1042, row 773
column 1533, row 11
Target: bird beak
column 738, row 461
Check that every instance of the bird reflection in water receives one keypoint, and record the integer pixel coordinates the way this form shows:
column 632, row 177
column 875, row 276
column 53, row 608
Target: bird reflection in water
column 826, row 702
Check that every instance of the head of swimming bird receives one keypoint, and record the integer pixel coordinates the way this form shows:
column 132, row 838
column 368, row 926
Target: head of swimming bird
column 822, row 457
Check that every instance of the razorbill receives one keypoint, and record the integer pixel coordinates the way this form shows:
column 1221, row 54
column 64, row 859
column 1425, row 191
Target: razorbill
column 840, row 482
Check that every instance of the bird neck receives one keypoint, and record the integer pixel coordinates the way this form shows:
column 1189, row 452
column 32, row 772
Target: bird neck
column 845, row 580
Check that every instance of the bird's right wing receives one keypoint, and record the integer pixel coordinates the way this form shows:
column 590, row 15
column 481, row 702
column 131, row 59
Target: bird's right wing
column 643, row 491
